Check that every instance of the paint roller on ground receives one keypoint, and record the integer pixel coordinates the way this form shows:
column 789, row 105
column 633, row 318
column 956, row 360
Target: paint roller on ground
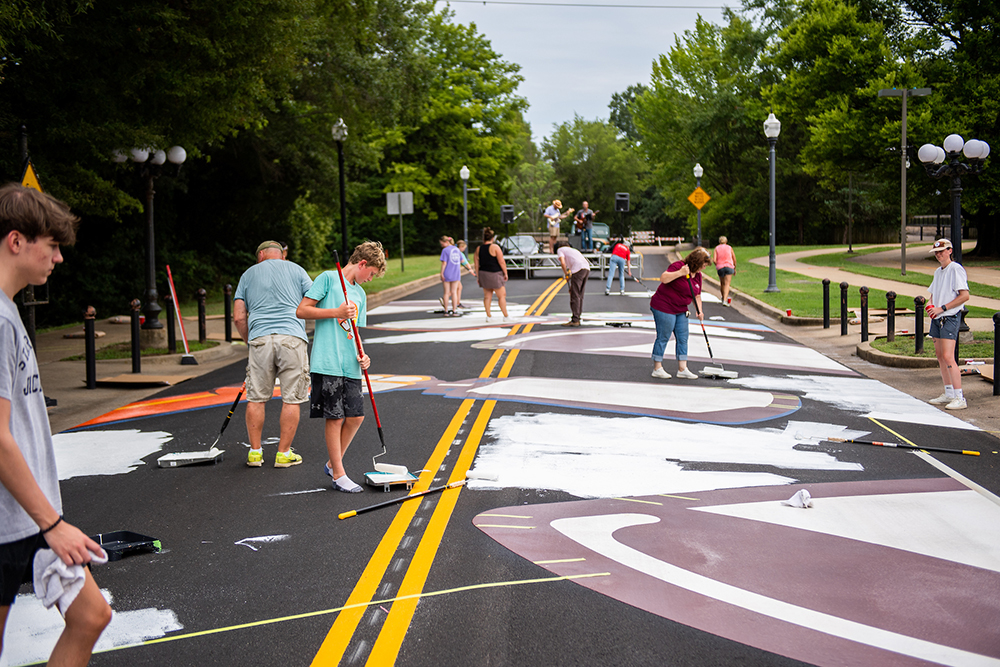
column 877, row 443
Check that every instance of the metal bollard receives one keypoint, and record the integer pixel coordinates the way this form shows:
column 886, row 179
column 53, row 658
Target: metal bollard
column 90, row 347
column 171, row 325
column 890, row 318
column 826, row 303
column 202, row 325
column 843, row 308
column 996, row 357
column 918, row 329
column 864, row 313
column 136, row 352
column 227, row 300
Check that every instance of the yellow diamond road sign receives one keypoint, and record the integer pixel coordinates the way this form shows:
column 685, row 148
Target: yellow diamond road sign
column 699, row 198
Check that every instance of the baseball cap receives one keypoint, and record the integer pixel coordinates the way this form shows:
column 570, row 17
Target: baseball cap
column 268, row 244
column 939, row 245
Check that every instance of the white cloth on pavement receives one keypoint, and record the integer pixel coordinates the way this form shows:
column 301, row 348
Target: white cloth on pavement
column 801, row 499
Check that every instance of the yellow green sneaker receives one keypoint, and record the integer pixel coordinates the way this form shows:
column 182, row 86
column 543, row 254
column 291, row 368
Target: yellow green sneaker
column 287, row 459
column 255, row 458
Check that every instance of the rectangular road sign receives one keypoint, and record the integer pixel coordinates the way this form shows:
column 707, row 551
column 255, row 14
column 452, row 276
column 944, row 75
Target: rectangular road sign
column 399, row 203
column 699, row 198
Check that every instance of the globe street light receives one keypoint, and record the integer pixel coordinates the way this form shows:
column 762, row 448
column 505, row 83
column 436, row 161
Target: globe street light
column 464, row 174
column 772, row 128
column 339, row 132
column 698, row 172
column 150, row 163
column 946, row 162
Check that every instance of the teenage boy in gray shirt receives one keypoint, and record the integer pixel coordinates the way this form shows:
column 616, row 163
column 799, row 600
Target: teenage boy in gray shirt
column 32, row 227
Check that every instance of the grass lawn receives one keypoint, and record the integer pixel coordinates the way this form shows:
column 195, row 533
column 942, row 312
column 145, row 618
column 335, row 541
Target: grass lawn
column 980, row 348
column 803, row 295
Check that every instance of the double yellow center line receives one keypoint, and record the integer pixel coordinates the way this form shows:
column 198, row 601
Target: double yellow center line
column 396, row 624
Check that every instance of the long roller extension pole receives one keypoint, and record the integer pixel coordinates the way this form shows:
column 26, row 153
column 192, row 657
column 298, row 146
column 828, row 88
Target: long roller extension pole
column 396, row 501
column 230, row 415
column 877, row 443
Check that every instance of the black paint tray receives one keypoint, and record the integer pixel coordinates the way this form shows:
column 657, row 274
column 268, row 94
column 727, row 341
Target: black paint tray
column 123, row 542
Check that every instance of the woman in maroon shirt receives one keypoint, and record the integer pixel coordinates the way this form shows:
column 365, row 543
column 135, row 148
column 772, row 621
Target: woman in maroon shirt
column 669, row 305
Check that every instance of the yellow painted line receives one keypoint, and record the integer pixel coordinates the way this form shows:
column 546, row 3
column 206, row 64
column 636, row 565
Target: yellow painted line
column 337, row 640
column 506, row 516
column 364, row 605
column 667, row 495
column 561, row 560
column 500, row 525
column 644, row 502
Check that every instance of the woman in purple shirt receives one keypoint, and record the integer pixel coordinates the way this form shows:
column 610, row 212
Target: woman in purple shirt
column 669, row 305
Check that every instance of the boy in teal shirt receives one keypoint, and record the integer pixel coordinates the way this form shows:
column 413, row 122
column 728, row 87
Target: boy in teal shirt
column 335, row 365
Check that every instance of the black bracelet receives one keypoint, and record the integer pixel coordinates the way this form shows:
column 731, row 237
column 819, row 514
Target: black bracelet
column 58, row 521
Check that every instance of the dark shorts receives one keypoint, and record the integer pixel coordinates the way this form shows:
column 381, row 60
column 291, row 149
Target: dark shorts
column 725, row 271
column 335, row 397
column 16, row 559
column 945, row 327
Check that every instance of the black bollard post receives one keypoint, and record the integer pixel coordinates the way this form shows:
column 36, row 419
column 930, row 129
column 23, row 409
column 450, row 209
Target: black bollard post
column 918, row 329
column 996, row 357
column 864, row 313
column 171, row 325
column 890, row 318
column 826, row 303
column 202, row 325
column 843, row 308
column 90, row 347
column 227, row 299
column 136, row 352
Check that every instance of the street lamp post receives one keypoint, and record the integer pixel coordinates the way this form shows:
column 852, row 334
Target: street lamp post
column 150, row 164
column 339, row 135
column 464, row 174
column 772, row 128
column 698, row 172
column 946, row 162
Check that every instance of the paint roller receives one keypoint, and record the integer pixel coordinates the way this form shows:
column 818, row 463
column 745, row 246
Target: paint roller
column 878, row 443
column 710, row 371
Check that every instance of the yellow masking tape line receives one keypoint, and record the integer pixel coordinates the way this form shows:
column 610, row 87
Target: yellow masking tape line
column 636, row 500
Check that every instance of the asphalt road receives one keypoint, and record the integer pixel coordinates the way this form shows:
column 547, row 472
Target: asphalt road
column 632, row 521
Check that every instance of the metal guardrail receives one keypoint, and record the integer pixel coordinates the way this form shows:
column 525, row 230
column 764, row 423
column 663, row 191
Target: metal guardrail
column 599, row 261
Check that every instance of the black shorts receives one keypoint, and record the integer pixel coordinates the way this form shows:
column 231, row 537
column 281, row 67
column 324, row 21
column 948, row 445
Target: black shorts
column 335, row 397
column 16, row 562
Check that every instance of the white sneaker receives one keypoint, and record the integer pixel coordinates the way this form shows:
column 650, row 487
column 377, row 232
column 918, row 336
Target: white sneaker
column 607, row 292
column 660, row 373
column 942, row 399
column 489, row 320
column 687, row 374
column 957, row 403
column 622, row 293
column 506, row 319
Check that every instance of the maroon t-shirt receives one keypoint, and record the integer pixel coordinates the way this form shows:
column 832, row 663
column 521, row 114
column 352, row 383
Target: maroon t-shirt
column 673, row 297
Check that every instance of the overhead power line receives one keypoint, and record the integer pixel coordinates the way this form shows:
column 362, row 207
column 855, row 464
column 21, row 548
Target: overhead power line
column 582, row 4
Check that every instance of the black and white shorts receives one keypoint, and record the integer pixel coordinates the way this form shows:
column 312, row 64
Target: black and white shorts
column 335, row 397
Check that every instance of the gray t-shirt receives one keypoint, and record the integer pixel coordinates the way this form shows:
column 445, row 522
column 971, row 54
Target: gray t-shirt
column 29, row 423
column 271, row 291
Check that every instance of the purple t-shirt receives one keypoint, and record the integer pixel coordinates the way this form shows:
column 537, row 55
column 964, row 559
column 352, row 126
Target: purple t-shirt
column 674, row 297
column 452, row 257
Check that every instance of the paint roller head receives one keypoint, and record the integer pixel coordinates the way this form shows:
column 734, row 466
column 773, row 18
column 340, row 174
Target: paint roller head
column 485, row 476
column 390, row 468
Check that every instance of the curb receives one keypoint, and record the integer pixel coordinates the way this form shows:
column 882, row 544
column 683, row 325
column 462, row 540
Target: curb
column 220, row 351
column 406, row 289
column 868, row 353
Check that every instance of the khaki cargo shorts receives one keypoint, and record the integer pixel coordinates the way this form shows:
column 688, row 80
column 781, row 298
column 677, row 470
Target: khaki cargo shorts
column 278, row 356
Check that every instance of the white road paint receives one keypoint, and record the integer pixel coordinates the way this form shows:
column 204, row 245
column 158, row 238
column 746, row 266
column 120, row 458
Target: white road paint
column 959, row 526
column 252, row 542
column 32, row 630
column 870, row 398
column 84, row 453
column 459, row 336
column 597, row 534
column 601, row 457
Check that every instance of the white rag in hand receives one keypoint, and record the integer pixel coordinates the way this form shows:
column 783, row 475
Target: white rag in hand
column 57, row 582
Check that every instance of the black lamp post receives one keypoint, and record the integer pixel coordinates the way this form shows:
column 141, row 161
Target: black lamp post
column 772, row 128
column 946, row 162
column 464, row 175
column 698, row 173
column 339, row 135
column 150, row 164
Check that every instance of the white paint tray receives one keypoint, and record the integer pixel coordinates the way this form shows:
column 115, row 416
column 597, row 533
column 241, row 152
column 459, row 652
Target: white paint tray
column 387, row 480
column 177, row 459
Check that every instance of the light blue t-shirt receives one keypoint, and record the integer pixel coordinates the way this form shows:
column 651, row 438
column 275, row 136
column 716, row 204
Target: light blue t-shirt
column 334, row 351
column 272, row 290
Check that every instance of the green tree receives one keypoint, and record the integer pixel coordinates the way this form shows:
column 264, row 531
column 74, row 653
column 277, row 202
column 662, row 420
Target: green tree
column 532, row 190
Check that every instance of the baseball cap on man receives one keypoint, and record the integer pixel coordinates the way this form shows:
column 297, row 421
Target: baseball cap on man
column 268, row 244
column 939, row 245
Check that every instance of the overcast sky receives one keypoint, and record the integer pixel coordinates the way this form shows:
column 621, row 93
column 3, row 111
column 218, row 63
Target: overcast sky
column 573, row 58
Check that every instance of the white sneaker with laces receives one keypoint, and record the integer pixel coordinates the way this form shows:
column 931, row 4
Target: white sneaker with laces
column 687, row 374
column 660, row 373
column 957, row 403
column 942, row 399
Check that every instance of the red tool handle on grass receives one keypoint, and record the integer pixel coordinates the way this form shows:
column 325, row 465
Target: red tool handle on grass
column 361, row 352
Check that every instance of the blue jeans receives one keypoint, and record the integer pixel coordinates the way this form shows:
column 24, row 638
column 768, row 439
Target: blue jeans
column 666, row 324
column 587, row 242
column 616, row 263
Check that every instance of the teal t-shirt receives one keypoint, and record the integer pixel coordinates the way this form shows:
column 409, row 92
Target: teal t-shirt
column 271, row 291
column 334, row 351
